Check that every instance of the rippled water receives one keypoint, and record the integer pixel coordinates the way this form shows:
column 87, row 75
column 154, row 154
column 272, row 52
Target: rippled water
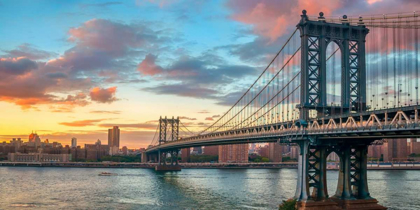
column 79, row 188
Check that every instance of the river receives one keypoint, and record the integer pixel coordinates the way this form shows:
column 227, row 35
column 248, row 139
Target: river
column 82, row 188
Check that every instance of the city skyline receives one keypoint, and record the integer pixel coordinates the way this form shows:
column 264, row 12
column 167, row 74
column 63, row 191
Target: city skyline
column 63, row 77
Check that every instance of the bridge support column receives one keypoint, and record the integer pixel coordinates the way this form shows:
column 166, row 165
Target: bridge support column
column 312, row 175
column 144, row 157
column 352, row 187
column 162, row 162
column 343, row 191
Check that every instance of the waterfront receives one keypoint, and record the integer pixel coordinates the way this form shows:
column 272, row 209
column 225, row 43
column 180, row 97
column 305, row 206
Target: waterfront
column 81, row 188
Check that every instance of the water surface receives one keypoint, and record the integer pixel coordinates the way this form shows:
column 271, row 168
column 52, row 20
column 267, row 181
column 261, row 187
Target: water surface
column 82, row 188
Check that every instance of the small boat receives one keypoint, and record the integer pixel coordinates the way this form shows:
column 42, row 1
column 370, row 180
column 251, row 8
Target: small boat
column 107, row 174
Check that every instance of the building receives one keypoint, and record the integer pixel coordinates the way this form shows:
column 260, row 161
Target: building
column 234, row 153
column 375, row 151
column 34, row 140
column 294, row 152
column 211, row 150
column 114, row 140
column 125, row 150
column 333, row 157
column 413, row 147
column 395, row 150
column 73, row 142
column 38, row 157
column 185, row 155
column 275, row 152
column 96, row 151
column 264, row 151
column 197, row 150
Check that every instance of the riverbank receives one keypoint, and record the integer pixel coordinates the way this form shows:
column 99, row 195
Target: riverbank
column 146, row 165
column 280, row 165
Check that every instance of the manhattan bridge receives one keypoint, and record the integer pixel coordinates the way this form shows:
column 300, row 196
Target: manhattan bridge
column 338, row 84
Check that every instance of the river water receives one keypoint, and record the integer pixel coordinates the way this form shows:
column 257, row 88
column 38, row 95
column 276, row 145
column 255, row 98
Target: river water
column 82, row 188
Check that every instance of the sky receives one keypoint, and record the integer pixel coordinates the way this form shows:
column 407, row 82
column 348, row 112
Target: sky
column 76, row 68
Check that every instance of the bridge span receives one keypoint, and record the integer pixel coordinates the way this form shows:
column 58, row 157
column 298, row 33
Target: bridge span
column 337, row 85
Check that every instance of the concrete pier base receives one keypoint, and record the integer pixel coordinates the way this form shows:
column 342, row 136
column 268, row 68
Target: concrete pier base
column 168, row 168
column 318, row 205
column 333, row 203
column 362, row 204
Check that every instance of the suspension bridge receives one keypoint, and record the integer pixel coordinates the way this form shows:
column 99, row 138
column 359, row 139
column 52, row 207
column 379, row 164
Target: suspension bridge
column 338, row 84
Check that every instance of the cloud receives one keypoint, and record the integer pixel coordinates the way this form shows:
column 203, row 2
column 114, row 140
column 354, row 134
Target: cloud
column 184, row 90
column 203, row 112
column 209, row 118
column 205, row 69
column 148, row 66
column 104, row 112
column 187, row 118
column 81, row 123
column 57, row 75
column 102, row 51
column 111, row 47
column 103, row 95
column 147, row 126
column 101, row 5
column 202, row 77
column 28, row 51
column 16, row 66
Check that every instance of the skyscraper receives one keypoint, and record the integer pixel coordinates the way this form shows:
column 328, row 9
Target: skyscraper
column 73, row 142
column 114, row 140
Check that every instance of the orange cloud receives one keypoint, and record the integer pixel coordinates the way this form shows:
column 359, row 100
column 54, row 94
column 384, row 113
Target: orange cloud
column 81, row 123
column 103, row 95
column 146, row 126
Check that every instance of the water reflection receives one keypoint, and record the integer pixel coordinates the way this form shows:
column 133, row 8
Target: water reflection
column 77, row 188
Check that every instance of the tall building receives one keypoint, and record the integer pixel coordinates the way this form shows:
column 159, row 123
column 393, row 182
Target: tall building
column 395, row 150
column 73, row 142
column 114, row 140
column 211, row 150
column 234, row 153
column 275, row 152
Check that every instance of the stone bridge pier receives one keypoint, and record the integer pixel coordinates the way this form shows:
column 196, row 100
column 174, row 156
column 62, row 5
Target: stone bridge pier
column 352, row 188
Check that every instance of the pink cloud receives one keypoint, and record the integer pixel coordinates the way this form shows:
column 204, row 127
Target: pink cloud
column 271, row 19
column 103, row 95
column 149, row 67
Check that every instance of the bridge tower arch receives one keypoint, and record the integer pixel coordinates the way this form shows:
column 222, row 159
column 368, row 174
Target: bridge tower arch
column 315, row 36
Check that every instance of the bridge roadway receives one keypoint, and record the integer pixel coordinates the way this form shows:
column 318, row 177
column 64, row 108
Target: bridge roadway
column 402, row 122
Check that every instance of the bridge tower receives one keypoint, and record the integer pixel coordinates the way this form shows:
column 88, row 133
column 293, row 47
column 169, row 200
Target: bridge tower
column 352, row 189
column 168, row 131
column 315, row 37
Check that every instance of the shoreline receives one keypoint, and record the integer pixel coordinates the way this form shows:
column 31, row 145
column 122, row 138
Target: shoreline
column 282, row 165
